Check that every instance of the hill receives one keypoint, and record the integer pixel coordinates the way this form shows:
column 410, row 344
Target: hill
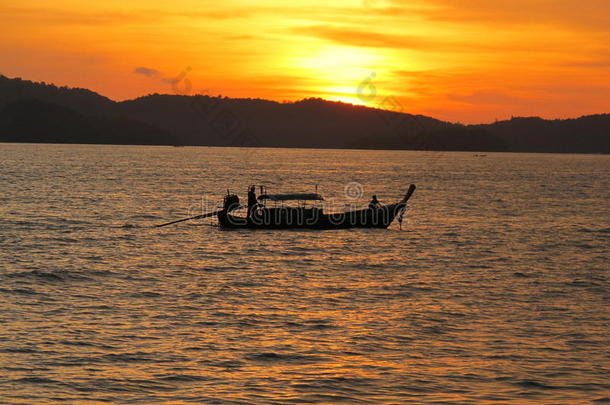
column 40, row 112
column 42, row 122
column 588, row 134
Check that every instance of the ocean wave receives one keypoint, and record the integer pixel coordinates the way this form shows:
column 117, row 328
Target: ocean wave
column 535, row 385
column 35, row 380
column 185, row 378
column 48, row 276
column 595, row 230
column 272, row 357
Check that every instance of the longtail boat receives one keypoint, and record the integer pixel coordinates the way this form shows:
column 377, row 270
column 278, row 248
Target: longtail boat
column 260, row 216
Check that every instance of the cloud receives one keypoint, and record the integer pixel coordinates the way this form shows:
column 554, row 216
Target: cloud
column 597, row 60
column 147, row 72
column 486, row 97
column 60, row 16
column 366, row 38
column 586, row 14
column 239, row 37
column 356, row 37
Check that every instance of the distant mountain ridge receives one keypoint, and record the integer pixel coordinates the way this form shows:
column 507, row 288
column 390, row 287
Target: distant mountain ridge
column 40, row 112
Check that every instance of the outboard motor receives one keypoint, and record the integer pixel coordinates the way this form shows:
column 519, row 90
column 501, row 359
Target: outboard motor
column 231, row 202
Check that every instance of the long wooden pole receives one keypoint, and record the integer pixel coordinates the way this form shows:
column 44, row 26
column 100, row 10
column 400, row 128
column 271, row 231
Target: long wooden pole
column 209, row 214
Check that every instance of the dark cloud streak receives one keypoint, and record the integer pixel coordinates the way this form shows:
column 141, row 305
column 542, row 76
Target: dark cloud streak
column 147, row 72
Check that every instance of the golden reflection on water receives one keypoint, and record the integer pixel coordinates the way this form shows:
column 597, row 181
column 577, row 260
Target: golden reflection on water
column 479, row 298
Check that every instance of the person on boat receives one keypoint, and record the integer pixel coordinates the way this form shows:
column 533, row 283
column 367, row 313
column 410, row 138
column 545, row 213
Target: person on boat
column 252, row 203
column 374, row 203
column 231, row 202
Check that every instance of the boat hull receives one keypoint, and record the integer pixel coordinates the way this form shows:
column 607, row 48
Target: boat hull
column 295, row 218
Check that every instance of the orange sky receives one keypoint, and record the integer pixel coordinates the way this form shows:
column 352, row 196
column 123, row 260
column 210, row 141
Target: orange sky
column 458, row 60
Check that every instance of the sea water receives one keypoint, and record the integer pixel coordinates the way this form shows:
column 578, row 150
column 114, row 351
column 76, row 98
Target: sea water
column 495, row 289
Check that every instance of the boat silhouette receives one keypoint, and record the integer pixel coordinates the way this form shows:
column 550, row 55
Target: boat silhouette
column 302, row 217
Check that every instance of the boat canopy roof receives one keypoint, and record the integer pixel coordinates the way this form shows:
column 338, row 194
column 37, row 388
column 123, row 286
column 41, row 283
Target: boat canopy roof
column 292, row 197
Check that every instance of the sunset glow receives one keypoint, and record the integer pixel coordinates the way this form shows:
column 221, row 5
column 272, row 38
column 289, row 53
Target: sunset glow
column 457, row 60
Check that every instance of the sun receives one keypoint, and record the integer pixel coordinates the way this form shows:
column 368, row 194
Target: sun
column 335, row 72
column 344, row 94
column 338, row 60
